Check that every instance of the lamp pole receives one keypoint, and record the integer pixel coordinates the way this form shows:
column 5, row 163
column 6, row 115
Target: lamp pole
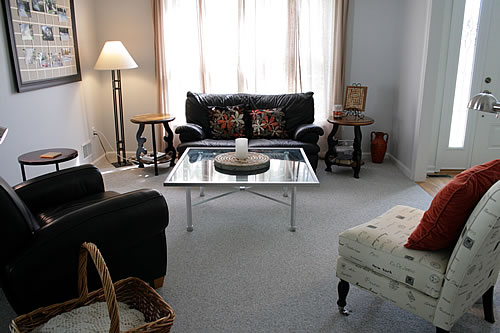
column 118, row 113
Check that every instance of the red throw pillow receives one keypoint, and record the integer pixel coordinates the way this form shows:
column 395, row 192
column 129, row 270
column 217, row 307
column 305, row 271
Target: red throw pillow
column 443, row 222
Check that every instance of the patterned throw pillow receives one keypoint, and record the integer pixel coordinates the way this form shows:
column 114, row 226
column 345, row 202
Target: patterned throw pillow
column 227, row 122
column 268, row 124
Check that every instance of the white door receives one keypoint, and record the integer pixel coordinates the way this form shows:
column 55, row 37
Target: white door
column 486, row 144
column 467, row 138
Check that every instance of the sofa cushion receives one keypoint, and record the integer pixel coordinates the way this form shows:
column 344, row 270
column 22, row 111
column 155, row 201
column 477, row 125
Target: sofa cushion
column 268, row 124
column 443, row 222
column 227, row 122
column 378, row 246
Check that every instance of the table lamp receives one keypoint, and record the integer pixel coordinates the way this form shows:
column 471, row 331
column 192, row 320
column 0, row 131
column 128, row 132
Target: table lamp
column 485, row 102
column 114, row 56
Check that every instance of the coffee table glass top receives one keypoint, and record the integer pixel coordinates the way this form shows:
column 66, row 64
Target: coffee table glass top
column 288, row 167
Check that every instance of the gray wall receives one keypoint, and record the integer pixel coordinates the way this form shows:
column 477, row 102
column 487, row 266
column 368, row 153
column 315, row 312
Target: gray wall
column 63, row 116
column 386, row 52
column 411, row 55
column 373, row 60
column 52, row 117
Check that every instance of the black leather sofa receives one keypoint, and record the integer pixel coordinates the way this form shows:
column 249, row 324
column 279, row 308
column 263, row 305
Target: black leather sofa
column 47, row 218
column 298, row 112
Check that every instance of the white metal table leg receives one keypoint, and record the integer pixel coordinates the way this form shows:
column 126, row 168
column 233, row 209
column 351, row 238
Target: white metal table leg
column 285, row 191
column 189, row 210
column 292, row 209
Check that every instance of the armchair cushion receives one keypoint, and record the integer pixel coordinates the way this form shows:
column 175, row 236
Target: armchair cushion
column 442, row 223
column 378, row 245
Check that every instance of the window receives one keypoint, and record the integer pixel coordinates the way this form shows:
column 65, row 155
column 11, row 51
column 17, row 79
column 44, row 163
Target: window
column 251, row 46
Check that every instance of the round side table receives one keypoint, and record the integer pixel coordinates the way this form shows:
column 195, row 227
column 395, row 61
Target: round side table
column 354, row 161
column 33, row 158
column 153, row 119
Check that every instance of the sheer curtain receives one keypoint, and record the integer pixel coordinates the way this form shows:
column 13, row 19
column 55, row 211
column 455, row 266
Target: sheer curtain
column 251, row 46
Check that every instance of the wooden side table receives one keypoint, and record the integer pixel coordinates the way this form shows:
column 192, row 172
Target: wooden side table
column 33, row 158
column 354, row 161
column 153, row 119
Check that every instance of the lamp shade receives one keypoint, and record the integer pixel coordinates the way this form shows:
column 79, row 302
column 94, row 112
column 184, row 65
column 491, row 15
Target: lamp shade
column 484, row 102
column 114, row 56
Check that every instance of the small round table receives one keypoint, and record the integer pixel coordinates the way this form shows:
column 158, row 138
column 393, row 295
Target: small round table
column 33, row 158
column 354, row 161
column 153, row 119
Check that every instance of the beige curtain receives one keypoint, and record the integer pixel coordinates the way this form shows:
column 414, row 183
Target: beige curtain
column 160, row 67
column 337, row 72
column 228, row 46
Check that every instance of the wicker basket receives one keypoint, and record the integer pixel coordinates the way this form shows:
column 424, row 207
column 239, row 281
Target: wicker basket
column 131, row 291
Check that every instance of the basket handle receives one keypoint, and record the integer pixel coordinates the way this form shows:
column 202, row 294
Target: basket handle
column 109, row 289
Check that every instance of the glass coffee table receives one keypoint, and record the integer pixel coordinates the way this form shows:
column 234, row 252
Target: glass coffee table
column 289, row 168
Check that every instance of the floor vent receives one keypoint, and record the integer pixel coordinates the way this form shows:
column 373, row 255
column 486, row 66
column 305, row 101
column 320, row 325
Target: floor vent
column 87, row 149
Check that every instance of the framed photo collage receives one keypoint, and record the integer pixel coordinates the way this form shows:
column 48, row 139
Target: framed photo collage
column 44, row 48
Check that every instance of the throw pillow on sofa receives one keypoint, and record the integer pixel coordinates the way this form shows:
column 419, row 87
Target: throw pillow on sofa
column 227, row 122
column 443, row 222
column 268, row 124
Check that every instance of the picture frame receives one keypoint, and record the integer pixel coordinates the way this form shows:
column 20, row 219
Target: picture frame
column 43, row 43
column 355, row 98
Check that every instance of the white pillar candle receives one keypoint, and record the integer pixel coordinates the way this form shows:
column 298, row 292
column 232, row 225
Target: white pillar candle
column 241, row 148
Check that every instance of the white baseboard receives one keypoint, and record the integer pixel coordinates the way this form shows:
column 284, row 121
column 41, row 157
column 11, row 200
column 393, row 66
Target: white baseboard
column 406, row 171
column 111, row 155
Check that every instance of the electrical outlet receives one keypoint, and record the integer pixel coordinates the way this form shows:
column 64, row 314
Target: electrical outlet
column 94, row 131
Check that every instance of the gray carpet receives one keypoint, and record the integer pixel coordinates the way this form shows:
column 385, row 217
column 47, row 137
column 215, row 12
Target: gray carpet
column 241, row 270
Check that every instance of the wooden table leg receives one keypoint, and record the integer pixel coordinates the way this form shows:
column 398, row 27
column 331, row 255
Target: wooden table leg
column 332, row 152
column 356, row 154
column 155, row 158
column 23, row 172
column 169, row 139
column 140, row 145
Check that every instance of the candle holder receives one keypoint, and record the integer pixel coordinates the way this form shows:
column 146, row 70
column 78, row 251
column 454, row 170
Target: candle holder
column 228, row 163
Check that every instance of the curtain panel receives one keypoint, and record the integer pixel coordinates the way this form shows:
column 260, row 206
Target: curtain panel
column 228, row 46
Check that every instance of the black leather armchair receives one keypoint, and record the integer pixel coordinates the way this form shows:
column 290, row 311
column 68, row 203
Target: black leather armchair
column 299, row 116
column 47, row 218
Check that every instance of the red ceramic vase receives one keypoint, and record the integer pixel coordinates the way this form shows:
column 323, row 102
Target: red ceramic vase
column 378, row 146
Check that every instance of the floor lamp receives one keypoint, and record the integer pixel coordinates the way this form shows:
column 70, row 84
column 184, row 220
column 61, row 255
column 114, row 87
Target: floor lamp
column 485, row 102
column 114, row 56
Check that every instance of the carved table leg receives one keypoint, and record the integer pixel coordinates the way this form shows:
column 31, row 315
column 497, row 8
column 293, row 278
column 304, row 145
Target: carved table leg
column 155, row 157
column 169, row 139
column 332, row 152
column 140, row 145
column 356, row 154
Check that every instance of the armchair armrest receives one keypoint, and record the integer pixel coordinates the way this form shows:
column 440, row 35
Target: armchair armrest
column 190, row 132
column 128, row 216
column 59, row 187
column 308, row 133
